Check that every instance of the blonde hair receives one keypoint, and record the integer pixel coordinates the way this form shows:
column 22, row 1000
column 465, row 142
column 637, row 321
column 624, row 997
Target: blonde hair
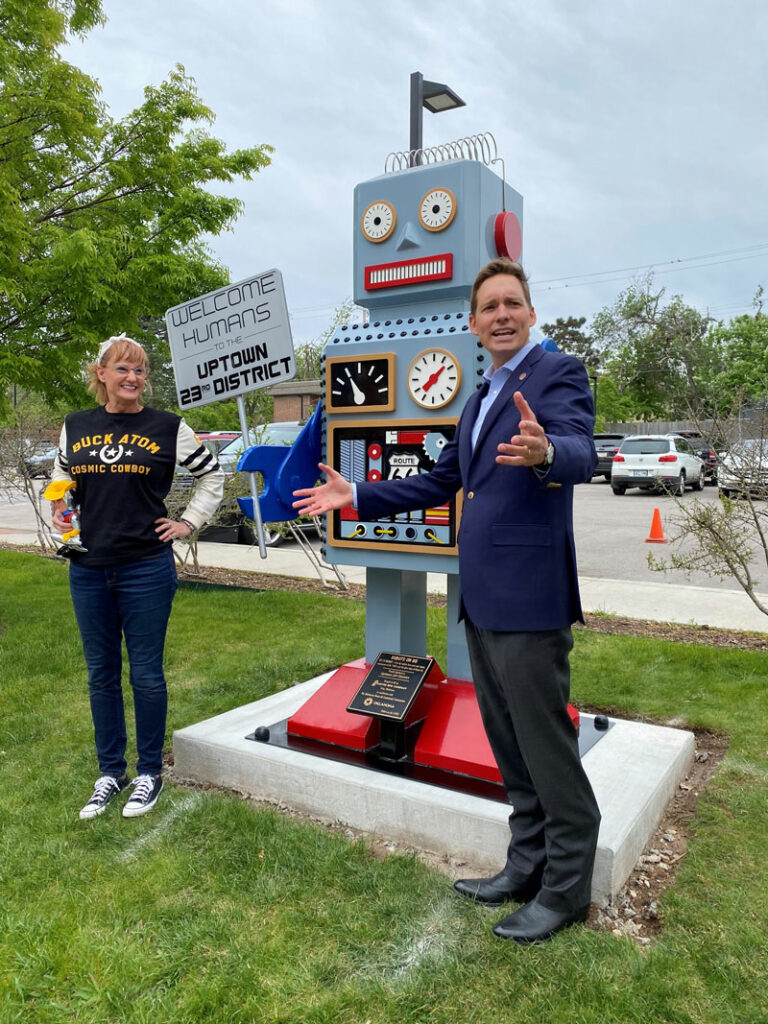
column 115, row 350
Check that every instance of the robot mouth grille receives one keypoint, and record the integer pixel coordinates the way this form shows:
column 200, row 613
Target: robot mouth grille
column 395, row 275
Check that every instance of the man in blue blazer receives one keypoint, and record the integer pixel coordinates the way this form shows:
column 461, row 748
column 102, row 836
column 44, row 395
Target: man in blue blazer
column 521, row 444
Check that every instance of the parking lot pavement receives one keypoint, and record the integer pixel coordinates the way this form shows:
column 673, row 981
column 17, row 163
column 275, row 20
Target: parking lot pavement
column 611, row 533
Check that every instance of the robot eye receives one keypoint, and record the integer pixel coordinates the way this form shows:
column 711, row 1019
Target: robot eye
column 378, row 221
column 437, row 209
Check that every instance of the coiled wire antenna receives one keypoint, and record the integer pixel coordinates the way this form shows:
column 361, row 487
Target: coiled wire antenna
column 480, row 147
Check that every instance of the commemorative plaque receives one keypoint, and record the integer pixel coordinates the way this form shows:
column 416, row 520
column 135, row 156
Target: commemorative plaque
column 391, row 686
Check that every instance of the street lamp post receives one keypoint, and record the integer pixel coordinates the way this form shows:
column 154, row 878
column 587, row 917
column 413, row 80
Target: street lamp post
column 435, row 97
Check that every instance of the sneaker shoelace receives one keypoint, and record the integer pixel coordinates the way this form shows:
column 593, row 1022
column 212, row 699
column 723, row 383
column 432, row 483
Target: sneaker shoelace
column 142, row 787
column 102, row 789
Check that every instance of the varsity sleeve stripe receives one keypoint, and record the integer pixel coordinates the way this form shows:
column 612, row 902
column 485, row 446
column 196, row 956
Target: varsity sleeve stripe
column 200, row 462
column 192, row 455
column 209, row 476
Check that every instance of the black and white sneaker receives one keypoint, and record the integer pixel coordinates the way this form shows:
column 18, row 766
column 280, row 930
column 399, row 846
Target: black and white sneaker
column 106, row 787
column 146, row 790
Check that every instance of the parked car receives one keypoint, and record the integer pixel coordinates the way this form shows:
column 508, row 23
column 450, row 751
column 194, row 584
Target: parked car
column 215, row 440
column 707, row 450
column 269, row 433
column 228, row 451
column 38, row 459
column 743, row 470
column 606, row 446
column 657, row 462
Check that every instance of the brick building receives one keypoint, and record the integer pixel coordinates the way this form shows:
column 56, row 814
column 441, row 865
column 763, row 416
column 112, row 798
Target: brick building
column 295, row 399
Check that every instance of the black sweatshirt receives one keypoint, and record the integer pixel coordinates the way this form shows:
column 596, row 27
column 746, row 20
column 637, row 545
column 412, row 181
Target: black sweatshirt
column 123, row 465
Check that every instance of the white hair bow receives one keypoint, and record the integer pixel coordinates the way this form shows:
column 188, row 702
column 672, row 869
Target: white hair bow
column 105, row 345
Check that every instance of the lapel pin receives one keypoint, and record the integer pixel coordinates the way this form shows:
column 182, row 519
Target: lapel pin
column 522, row 376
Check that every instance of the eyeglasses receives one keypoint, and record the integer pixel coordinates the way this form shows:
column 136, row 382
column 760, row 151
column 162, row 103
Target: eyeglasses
column 123, row 371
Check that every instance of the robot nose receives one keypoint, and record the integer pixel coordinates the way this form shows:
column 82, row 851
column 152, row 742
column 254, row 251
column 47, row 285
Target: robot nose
column 408, row 237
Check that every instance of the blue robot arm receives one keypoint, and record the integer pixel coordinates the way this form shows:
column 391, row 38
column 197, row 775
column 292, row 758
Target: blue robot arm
column 284, row 470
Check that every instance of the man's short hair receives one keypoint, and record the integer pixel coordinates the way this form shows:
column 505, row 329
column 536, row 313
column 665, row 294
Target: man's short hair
column 502, row 265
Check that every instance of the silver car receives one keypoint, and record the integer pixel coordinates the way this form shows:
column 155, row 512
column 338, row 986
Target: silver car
column 657, row 462
column 743, row 470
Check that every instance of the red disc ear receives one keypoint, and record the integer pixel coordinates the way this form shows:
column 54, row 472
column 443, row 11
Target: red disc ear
column 508, row 235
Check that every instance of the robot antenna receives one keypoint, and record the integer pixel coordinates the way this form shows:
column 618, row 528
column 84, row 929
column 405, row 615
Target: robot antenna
column 481, row 147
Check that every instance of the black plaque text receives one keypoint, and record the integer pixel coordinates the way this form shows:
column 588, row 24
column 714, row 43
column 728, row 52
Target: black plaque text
column 391, row 686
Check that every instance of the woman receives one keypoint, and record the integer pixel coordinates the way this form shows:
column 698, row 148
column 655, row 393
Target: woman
column 122, row 457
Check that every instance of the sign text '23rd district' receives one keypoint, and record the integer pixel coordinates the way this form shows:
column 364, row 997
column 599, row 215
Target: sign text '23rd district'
column 241, row 375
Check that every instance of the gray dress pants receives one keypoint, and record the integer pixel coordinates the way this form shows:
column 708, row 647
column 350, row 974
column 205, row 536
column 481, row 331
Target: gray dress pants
column 522, row 682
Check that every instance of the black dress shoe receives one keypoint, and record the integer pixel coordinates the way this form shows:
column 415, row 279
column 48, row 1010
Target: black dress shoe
column 495, row 891
column 534, row 923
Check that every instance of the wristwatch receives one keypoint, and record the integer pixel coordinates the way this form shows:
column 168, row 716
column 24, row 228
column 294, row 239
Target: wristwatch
column 549, row 457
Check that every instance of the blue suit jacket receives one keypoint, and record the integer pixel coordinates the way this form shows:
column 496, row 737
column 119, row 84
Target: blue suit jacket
column 517, row 560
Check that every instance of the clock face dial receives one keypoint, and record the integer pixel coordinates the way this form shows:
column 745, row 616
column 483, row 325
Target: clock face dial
column 379, row 221
column 365, row 382
column 437, row 209
column 434, row 378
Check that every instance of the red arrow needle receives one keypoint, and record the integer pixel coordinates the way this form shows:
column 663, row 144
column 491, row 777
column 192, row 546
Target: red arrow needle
column 433, row 379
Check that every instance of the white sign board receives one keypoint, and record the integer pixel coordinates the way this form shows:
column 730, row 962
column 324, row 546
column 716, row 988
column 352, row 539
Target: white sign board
column 231, row 341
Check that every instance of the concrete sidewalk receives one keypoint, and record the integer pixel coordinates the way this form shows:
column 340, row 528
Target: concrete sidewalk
column 661, row 602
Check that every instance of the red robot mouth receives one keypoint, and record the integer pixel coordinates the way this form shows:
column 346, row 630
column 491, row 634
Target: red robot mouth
column 405, row 272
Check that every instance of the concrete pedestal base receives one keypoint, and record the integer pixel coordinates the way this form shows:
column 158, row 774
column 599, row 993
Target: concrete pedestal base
column 634, row 770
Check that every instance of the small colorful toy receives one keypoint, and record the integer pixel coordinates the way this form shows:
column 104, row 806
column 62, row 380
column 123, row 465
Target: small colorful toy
column 59, row 490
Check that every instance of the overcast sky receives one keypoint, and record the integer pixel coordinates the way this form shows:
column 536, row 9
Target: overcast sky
column 636, row 132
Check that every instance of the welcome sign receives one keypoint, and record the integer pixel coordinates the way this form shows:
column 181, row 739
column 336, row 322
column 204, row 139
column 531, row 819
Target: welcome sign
column 231, row 341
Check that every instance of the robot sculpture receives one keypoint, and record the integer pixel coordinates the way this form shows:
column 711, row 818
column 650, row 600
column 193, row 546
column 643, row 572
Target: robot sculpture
column 395, row 385
column 394, row 389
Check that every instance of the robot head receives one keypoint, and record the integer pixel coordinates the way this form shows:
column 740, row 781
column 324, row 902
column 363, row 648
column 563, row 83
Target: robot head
column 422, row 234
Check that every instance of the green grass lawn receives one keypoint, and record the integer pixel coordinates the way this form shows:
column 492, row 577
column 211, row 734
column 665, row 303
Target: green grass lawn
column 212, row 909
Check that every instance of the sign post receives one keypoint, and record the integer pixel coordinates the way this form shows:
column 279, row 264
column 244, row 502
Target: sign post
column 229, row 342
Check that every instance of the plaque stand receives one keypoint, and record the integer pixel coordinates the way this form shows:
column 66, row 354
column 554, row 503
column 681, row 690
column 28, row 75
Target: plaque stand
column 392, row 740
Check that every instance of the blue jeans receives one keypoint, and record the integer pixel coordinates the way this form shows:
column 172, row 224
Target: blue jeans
column 133, row 600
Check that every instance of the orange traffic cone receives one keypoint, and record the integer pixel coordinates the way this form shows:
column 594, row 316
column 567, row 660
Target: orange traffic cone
column 656, row 535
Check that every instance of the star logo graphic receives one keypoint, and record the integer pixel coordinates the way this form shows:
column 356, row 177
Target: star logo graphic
column 111, row 454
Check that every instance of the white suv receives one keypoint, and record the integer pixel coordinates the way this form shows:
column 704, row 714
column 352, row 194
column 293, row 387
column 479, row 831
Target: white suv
column 657, row 462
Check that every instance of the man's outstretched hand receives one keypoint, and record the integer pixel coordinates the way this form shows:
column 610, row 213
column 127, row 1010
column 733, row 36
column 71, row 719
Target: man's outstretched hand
column 336, row 492
column 529, row 447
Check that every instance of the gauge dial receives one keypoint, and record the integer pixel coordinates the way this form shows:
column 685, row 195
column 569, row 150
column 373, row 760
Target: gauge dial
column 354, row 384
column 378, row 221
column 434, row 378
column 437, row 209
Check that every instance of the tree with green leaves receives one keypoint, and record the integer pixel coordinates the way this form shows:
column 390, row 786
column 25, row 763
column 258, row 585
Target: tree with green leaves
column 102, row 220
column 569, row 336
column 611, row 405
column 661, row 355
column 744, row 377
column 729, row 539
